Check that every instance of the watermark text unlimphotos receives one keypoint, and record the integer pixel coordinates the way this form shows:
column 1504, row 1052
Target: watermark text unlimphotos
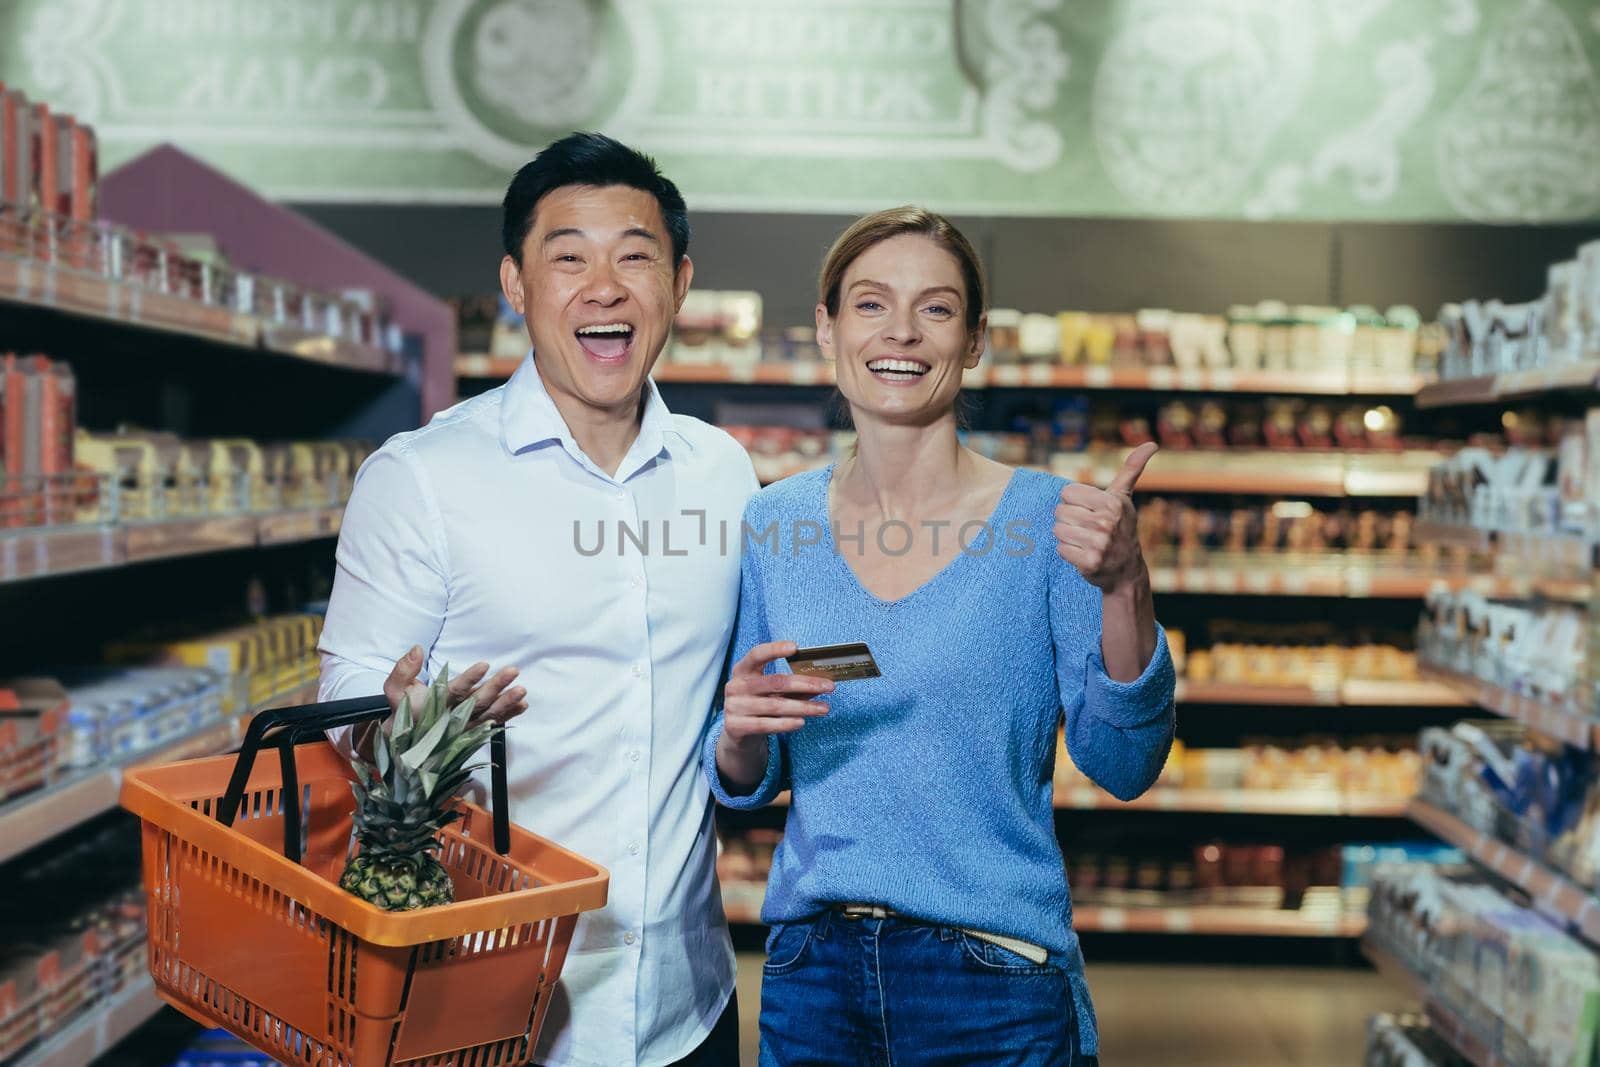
column 678, row 537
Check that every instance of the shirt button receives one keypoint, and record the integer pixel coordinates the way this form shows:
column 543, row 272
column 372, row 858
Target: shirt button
column 637, row 582
column 633, row 754
column 638, row 670
column 622, row 494
column 628, row 938
column 633, row 850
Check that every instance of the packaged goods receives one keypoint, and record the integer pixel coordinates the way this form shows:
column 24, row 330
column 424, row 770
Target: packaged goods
column 33, row 712
column 1525, row 989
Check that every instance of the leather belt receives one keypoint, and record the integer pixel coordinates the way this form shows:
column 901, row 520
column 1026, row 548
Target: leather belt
column 1033, row 953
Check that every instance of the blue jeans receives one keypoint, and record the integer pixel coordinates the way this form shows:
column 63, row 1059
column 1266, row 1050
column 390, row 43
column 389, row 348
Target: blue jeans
column 881, row 992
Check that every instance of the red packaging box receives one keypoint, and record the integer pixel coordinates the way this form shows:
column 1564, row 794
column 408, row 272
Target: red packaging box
column 85, row 189
column 16, row 167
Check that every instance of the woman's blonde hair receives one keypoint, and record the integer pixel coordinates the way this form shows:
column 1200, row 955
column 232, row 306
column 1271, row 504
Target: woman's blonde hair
column 874, row 229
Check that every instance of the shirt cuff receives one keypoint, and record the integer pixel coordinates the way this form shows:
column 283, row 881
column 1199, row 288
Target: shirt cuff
column 1140, row 702
column 765, row 792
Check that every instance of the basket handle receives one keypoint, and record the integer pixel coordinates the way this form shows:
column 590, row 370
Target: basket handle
column 284, row 728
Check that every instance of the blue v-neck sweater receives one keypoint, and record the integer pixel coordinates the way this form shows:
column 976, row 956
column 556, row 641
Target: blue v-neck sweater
column 928, row 790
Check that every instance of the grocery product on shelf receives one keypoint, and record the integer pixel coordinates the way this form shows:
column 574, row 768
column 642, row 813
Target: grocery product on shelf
column 1540, row 478
column 719, row 327
column 1334, row 349
column 262, row 660
column 1521, row 988
column 1319, row 883
column 118, row 713
column 1408, row 1040
column 148, row 693
column 73, row 935
column 58, row 474
column 1194, row 525
column 1380, row 767
column 1317, row 664
column 1538, row 796
column 33, row 719
column 1540, row 649
column 57, row 222
column 1561, row 328
column 38, row 421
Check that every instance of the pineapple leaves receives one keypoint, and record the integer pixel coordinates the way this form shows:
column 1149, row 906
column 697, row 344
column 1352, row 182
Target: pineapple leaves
column 403, row 717
column 414, row 756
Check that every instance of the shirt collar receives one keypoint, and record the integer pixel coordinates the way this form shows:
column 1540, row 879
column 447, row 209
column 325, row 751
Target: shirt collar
column 529, row 418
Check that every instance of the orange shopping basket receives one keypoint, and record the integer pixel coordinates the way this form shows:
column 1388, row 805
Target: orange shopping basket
column 265, row 944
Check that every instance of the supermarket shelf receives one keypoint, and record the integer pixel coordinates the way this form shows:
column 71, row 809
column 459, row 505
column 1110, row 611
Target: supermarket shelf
column 1451, row 535
column 1353, row 692
column 1197, row 380
column 1235, row 473
column 31, row 283
column 1194, row 919
column 42, row 553
column 1574, row 728
column 1215, row 919
column 1492, row 388
column 34, row 818
column 1245, row 801
column 1018, row 375
column 1556, row 567
column 97, row 1031
column 1261, row 472
column 1460, row 1037
column 1324, row 574
column 483, row 365
column 1551, row 893
column 1443, row 1021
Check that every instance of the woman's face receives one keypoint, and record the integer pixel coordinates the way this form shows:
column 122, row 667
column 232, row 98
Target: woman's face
column 900, row 340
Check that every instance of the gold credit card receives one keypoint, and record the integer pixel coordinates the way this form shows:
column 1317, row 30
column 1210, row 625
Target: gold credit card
column 839, row 662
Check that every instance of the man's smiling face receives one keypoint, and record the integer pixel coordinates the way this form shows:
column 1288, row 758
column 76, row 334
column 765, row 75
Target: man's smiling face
column 598, row 289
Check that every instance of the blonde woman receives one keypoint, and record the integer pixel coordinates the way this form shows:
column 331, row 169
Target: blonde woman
column 918, row 903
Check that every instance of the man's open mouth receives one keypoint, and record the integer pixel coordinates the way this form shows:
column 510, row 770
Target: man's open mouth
column 898, row 370
column 606, row 341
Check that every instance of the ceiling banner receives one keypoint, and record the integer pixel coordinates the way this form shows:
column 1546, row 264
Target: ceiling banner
column 1297, row 109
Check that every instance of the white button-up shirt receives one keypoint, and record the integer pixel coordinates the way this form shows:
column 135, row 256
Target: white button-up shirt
column 489, row 535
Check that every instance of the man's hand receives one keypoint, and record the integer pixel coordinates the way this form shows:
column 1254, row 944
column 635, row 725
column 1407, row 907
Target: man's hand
column 1097, row 529
column 494, row 700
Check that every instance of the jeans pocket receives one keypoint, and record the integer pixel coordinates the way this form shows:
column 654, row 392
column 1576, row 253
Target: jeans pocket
column 786, row 948
column 987, row 956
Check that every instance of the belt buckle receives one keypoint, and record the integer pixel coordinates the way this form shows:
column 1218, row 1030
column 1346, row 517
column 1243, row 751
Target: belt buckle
column 857, row 912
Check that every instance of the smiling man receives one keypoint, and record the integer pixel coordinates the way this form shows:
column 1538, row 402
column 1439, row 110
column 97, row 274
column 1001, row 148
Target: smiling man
column 460, row 544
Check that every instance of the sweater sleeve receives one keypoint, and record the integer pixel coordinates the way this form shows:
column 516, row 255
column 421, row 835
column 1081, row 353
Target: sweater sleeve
column 750, row 629
column 1118, row 733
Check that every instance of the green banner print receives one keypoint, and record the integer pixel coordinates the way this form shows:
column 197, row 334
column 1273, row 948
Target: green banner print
column 1296, row 109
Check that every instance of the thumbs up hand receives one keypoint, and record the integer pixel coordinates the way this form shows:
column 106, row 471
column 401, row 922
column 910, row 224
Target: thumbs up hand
column 1096, row 530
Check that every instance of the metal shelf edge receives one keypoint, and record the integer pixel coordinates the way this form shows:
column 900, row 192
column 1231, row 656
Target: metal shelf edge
column 99, row 1030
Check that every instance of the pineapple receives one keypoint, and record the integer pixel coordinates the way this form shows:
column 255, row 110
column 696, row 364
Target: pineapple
column 404, row 798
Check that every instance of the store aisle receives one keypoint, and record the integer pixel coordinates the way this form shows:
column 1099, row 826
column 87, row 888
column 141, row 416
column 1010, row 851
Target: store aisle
column 1160, row 1015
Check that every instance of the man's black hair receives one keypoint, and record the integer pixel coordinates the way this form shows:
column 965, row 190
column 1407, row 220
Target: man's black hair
column 589, row 159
